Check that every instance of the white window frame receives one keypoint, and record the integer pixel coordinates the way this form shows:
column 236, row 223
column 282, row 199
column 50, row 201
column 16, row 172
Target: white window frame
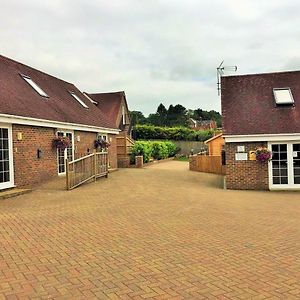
column 65, row 151
column 290, row 164
column 35, row 86
column 78, row 100
column 11, row 182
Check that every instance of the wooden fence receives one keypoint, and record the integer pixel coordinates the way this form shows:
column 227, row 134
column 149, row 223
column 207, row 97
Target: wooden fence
column 86, row 168
column 124, row 145
column 208, row 164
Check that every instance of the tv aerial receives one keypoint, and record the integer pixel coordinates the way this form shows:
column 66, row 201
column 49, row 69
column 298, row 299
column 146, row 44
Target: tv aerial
column 221, row 71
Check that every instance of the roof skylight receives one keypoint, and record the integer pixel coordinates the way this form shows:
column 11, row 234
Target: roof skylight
column 283, row 96
column 34, row 86
column 79, row 100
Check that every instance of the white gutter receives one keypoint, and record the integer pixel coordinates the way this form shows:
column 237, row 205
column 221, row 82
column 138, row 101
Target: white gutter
column 12, row 119
column 262, row 137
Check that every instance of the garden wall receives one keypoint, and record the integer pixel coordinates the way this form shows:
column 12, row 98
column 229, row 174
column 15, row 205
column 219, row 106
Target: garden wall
column 186, row 146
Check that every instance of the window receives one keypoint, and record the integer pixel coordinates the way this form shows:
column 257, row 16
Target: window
column 79, row 100
column 34, row 86
column 283, row 96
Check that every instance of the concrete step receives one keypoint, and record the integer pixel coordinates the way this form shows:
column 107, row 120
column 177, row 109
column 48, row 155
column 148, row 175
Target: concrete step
column 13, row 193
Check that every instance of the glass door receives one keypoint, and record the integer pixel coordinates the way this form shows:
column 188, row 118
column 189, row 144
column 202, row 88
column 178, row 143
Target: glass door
column 296, row 163
column 6, row 166
column 279, row 164
column 67, row 153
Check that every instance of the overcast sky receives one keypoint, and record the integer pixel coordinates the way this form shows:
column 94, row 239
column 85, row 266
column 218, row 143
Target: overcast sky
column 155, row 50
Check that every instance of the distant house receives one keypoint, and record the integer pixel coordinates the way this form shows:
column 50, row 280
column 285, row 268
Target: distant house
column 35, row 108
column 262, row 110
column 115, row 107
column 202, row 125
column 215, row 145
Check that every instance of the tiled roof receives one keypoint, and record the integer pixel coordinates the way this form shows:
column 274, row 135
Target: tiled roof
column 213, row 138
column 109, row 103
column 248, row 104
column 18, row 98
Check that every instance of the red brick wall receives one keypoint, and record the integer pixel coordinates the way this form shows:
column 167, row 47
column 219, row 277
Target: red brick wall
column 245, row 175
column 86, row 143
column 28, row 169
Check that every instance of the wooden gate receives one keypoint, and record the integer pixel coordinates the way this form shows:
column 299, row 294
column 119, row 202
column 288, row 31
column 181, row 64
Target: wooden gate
column 86, row 168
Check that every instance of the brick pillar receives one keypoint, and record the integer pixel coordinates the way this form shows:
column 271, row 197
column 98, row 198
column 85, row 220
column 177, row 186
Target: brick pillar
column 139, row 161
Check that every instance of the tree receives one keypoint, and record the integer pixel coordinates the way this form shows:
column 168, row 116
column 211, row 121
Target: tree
column 177, row 115
column 162, row 115
column 137, row 117
column 200, row 114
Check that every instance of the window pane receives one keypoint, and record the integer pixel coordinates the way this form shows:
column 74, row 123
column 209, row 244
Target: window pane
column 296, row 147
column 284, row 180
column 283, row 147
column 283, row 156
column 297, row 180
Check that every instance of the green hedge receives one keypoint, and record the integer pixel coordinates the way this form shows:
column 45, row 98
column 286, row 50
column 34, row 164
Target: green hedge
column 150, row 149
column 150, row 132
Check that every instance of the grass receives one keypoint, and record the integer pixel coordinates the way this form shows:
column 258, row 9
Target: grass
column 182, row 158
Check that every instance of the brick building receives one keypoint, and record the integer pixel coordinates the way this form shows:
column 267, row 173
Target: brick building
column 202, row 124
column 262, row 110
column 34, row 109
column 115, row 107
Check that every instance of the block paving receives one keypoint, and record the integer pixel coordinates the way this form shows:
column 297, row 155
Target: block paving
column 162, row 232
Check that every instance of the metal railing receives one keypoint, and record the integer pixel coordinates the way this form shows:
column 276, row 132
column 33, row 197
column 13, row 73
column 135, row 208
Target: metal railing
column 83, row 169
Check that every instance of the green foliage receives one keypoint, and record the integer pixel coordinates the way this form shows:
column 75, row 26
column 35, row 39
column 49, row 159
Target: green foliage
column 137, row 117
column 175, row 115
column 199, row 114
column 150, row 132
column 159, row 150
column 156, row 150
column 141, row 148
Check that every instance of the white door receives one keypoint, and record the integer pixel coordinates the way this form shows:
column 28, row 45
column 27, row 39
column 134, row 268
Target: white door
column 285, row 166
column 6, row 157
column 67, row 153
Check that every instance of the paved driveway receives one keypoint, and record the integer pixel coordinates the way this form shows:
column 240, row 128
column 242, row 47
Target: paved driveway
column 162, row 232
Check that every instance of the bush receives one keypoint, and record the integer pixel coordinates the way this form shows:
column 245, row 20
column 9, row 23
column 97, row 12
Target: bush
column 156, row 150
column 141, row 148
column 150, row 132
column 160, row 150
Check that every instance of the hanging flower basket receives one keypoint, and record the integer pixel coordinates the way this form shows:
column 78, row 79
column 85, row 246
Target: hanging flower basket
column 263, row 154
column 61, row 142
column 101, row 143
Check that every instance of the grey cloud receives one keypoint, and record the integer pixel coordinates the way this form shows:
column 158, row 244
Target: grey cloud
column 162, row 50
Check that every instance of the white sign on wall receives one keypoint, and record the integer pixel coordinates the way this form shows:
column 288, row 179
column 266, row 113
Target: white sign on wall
column 241, row 156
column 240, row 148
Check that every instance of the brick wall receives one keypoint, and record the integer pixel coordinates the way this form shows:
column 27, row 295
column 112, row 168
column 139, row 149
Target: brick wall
column 86, row 143
column 245, row 175
column 28, row 169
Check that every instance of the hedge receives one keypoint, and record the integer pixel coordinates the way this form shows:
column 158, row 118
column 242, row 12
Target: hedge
column 150, row 132
column 150, row 149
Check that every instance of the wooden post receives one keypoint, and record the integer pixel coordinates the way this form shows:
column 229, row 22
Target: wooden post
column 95, row 166
column 106, row 163
column 67, row 175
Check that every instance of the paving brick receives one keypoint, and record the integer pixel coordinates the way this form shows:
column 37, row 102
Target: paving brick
column 161, row 232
